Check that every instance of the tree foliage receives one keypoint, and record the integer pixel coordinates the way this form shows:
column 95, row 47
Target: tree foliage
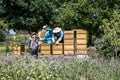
column 111, row 38
column 68, row 14
column 31, row 14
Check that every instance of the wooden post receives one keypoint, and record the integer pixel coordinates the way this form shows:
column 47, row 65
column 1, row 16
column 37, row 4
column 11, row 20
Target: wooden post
column 75, row 43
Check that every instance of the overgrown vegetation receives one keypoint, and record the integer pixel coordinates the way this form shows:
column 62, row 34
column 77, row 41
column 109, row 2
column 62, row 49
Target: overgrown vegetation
column 58, row 68
column 2, row 36
column 110, row 45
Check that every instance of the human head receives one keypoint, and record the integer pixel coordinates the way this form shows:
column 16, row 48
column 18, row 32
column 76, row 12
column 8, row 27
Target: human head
column 45, row 26
column 34, row 37
column 57, row 30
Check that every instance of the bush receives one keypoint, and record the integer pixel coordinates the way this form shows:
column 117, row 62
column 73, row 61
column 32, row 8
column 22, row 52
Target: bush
column 110, row 44
column 2, row 36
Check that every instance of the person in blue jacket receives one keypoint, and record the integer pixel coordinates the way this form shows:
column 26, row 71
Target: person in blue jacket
column 48, row 35
column 58, row 35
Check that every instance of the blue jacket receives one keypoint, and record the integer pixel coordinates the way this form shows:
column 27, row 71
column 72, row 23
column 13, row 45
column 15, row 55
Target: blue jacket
column 48, row 36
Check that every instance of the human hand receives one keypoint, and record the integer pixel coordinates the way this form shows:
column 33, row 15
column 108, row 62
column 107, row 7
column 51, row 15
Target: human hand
column 53, row 41
column 57, row 42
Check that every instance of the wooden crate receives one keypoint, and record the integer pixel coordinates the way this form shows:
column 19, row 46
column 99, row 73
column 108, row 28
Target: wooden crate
column 68, row 47
column 78, row 47
column 68, row 52
column 81, row 36
column 81, row 31
column 81, row 51
column 57, row 52
column 81, row 41
column 68, row 41
column 57, row 49
column 68, row 34
column 45, row 49
column 45, row 52
column 17, row 50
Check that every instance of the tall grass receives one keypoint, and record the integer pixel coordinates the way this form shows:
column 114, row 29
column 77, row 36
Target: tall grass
column 58, row 68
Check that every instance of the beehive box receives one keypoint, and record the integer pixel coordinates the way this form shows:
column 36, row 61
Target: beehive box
column 75, row 42
column 45, row 48
column 18, row 50
column 81, row 42
column 68, row 42
column 57, row 49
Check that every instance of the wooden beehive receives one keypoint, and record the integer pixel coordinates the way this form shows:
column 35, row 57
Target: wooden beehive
column 68, row 42
column 81, row 42
column 75, row 42
column 18, row 49
column 45, row 48
column 57, row 49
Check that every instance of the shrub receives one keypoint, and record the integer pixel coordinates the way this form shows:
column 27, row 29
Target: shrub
column 2, row 36
column 110, row 44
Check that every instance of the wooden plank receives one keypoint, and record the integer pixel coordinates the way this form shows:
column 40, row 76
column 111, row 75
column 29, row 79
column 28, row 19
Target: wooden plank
column 57, row 52
column 81, row 36
column 16, row 52
column 81, row 47
column 68, row 36
column 81, row 52
column 67, row 52
column 70, row 41
column 57, row 47
column 45, row 52
column 69, row 47
column 45, row 47
column 80, row 31
column 17, row 48
column 81, row 41
column 68, row 32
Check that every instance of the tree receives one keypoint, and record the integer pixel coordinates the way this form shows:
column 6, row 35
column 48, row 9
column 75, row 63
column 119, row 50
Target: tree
column 4, row 27
column 111, row 38
column 27, row 14
column 85, row 14
column 68, row 14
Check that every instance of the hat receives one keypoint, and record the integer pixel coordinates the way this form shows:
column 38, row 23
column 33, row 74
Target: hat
column 33, row 36
column 33, row 33
column 45, row 26
column 56, row 30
